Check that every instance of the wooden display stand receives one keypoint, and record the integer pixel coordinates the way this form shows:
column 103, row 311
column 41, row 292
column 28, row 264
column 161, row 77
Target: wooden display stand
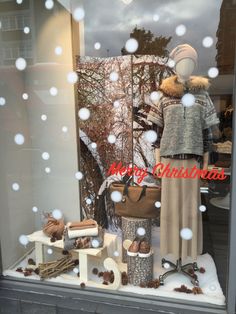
column 85, row 256
column 130, row 226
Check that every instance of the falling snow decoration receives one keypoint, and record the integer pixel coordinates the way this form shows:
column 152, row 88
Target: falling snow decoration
column 72, row 77
column 19, row 139
column 116, row 254
column 155, row 96
column 186, row 234
column 94, row 145
column 64, row 129
column 131, row 45
column 157, row 204
column 15, row 186
column 88, row 201
column 111, row 139
column 44, row 117
column 45, row 155
column 78, row 175
column 19, row 1
column 78, row 14
column 213, row 72
column 84, row 113
column 47, row 170
column 166, row 265
column 207, row 41
column 2, row 101
column 156, row 17
column 114, row 76
column 49, row 251
column 150, row 136
column 58, row 50
column 116, row 103
column 25, row 96
column 171, row 63
column 76, row 270
column 34, row 209
column 141, row 231
column 53, row 91
column 97, row 46
column 202, row 208
column 23, row 239
column 26, row 30
column 20, row 64
column 57, row 214
column 180, row 30
column 188, row 100
column 116, row 196
column 49, row 4
column 95, row 243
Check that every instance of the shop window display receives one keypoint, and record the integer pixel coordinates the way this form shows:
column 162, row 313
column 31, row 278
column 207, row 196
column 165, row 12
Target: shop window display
column 117, row 137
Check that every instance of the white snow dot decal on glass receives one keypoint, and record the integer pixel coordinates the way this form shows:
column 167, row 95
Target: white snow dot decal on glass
column 171, row 63
column 88, row 201
column 57, row 214
column 188, row 100
column 157, row 204
column 78, row 14
column 49, row 4
column 84, row 113
column 114, row 76
column 186, row 234
column 44, row 117
column 72, row 77
column 15, row 186
column 20, row 64
column 76, row 270
column 150, row 136
column 58, row 50
column 19, row 1
column 25, row 96
column 155, row 96
column 78, row 175
column 19, row 139
column 166, row 265
column 213, row 72
column 156, row 17
column 116, row 103
column 94, row 145
column 2, row 101
column 116, row 254
column 141, row 231
column 47, row 170
column 97, row 46
column 49, row 251
column 207, row 41
column 45, row 155
column 111, row 139
column 180, row 30
column 212, row 287
column 64, row 129
column 23, row 239
column 34, row 209
column 95, row 243
column 116, row 196
column 202, row 208
column 26, row 30
column 131, row 45
column 53, row 91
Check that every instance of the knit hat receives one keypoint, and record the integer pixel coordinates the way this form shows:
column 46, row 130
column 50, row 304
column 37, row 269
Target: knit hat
column 184, row 51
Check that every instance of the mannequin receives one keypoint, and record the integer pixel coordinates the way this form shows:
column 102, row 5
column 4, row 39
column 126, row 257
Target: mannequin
column 183, row 132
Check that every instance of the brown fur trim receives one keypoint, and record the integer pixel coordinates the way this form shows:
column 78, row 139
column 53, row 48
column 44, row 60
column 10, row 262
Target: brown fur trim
column 172, row 87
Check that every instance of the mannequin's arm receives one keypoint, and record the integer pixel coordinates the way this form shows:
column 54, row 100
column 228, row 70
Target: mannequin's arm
column 205, row 160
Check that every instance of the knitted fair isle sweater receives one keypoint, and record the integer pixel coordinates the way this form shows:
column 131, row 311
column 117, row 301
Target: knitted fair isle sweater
column 183, row 126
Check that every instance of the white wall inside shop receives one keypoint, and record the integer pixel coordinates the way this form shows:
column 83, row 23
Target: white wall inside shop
column 23, row 163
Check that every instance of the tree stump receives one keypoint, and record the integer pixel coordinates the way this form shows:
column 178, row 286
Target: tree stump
column 130, row 226
column 140, row 269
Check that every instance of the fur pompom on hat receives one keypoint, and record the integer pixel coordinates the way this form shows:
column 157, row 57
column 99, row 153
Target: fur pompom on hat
column 184, row 51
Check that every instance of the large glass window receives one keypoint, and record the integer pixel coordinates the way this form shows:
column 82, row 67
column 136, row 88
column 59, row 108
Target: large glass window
column 116, row 123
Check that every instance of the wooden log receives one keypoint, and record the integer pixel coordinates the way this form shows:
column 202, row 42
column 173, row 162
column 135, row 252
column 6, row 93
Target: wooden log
column 130, row 226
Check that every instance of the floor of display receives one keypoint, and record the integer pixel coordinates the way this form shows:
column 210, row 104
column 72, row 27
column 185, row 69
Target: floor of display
column 208, row 281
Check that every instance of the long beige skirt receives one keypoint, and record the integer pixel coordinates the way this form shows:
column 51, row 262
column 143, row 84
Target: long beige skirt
column 180, row 201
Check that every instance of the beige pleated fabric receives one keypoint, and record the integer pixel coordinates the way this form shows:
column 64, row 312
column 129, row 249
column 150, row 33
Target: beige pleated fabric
column 180, row 201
